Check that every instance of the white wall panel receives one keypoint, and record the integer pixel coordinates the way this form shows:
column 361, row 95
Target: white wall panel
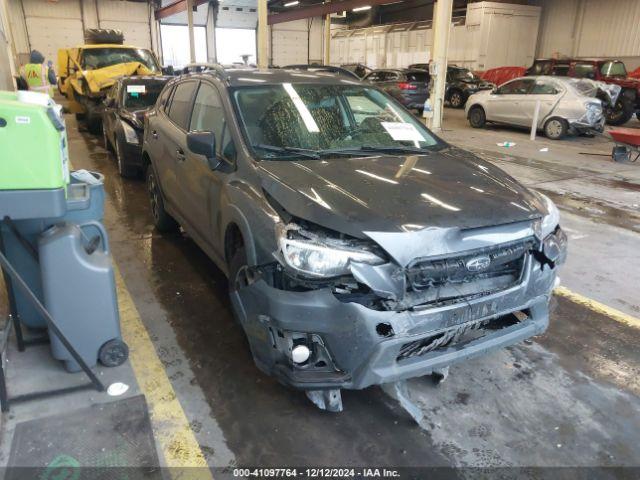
column 132, row 18
column 290, row 43
column 49, row 26
column 495, row 34
column 591, row 28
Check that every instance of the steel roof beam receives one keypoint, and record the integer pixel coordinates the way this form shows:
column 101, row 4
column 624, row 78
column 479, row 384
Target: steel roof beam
column 322, row 9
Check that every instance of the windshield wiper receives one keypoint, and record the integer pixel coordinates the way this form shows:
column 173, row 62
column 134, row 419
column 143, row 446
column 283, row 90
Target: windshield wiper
column 303, row 152
column 378, row 149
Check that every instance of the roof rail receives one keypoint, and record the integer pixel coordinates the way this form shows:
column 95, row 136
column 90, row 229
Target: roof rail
column 206, row 67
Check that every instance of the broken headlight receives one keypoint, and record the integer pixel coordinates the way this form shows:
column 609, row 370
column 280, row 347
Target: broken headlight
column 320, row 256
column 551, row 220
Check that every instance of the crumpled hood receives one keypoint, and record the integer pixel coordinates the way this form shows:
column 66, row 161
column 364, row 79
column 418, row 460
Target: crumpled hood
column 450, row 188
column 102, row 78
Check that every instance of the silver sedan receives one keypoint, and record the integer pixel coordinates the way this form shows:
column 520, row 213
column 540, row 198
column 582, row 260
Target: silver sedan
column 566, row 105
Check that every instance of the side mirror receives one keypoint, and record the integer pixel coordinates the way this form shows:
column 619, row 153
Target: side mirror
column 204, row 143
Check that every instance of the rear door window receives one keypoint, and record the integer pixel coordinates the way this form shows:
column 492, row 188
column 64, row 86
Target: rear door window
column 181, row 104
column 422, row 77
column 543, row 88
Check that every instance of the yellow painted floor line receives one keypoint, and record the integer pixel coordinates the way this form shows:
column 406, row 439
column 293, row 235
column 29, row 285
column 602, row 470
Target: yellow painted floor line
column 598, row 307
column 171, row 426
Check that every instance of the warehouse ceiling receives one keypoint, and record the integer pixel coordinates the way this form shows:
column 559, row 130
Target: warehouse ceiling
column 389, row 12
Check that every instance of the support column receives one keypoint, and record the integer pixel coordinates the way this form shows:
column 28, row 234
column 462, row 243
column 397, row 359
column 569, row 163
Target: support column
column 441, row 28
column 212, row 54
column 7, row 67
column 263, row 34
column 192, row 42
column 327, row 39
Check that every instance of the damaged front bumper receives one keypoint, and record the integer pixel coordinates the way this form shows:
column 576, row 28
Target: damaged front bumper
column 352, row 346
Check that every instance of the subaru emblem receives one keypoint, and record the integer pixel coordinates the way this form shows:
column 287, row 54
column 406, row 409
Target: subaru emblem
column 478, row 264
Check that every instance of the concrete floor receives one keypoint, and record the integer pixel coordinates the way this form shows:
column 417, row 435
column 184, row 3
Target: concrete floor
column 570, row 397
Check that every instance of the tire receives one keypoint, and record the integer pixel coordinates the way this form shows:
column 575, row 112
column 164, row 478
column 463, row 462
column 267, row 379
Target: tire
column 113, row 353
column 620, row 114
column 93, row 125
column 103, row 35
column 556, row 128
column 125, row 171
column 477, row 117
column 638, row 115
column 456, row 99
column 237, row 265
column 161, row 219
column 107, row 143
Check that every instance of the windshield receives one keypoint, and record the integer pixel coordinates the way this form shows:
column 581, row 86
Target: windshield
column 463, row 74
column 139, row 95
column 613, row 69
column 278, row 119
column 94, row 58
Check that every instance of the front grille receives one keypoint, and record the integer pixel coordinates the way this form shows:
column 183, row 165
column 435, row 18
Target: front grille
column 466, row 275
column 458, row 336
column 501, row 260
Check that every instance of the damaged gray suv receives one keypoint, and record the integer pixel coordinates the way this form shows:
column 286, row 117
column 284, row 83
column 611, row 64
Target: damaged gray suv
column 360, row 248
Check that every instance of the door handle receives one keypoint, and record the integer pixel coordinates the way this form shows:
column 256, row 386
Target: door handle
column 154, row 134
column 180, row 155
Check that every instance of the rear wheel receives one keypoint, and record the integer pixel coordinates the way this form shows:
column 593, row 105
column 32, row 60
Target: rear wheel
column 161, row 219
column 456, row 100
column 477, row 117
column 556, row 128
column 621, row 113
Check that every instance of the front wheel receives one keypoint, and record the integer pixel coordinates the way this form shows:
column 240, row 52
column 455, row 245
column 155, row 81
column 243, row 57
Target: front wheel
column 556, row 128
column 161, row 219
column 477, row 117
column 124, row 169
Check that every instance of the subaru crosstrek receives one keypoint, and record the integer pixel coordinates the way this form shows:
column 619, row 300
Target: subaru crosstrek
column 360, row 248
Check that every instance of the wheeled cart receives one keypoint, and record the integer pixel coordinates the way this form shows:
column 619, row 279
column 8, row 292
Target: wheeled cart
column 54, row 251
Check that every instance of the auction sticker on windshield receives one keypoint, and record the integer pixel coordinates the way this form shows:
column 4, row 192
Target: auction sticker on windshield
column 403, row 131
column 136, row 88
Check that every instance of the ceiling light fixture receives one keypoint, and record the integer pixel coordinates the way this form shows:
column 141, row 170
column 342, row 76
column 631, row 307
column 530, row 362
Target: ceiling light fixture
column 291, row 4
column 360, row 9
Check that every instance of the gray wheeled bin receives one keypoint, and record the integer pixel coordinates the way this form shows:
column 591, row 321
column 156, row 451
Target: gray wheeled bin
column 84, row 203
column 79, row 291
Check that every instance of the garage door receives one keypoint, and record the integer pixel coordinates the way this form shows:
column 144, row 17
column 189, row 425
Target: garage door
column 289, row 47
column 53, row 25
column 130, row 17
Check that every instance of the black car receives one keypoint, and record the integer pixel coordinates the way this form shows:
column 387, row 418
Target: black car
column 123, row 119
column 409, row 86
column 360, row 248
column 359, row 69
column 460, row 85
